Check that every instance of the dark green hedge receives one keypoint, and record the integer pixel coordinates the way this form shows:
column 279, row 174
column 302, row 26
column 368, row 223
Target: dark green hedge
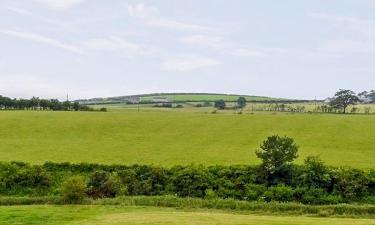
column 311, row 183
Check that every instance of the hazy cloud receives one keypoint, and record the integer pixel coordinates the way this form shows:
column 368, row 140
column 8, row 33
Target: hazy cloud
column 151, row 16
column 41, row 39
column 219, row 43
column 60, row 4
column 117, row 44
column 19, row 10
column 190, row 63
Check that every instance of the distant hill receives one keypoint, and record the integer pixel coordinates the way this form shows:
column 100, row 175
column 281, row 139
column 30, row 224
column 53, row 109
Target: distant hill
column 181, row 97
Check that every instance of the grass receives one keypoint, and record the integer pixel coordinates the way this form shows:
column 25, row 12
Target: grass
column 171, row 137
column 125, row 215
column 227, row 205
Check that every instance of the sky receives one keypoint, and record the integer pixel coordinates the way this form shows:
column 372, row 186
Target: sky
column 301, row 49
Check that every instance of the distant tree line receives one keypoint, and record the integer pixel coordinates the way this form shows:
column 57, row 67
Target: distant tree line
column 345, row 98
column 36, row 103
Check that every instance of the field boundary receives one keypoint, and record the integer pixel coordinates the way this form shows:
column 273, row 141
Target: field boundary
column 272, row 208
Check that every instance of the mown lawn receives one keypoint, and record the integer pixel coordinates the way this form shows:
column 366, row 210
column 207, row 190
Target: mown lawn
column 104, row 215
column 170, row 137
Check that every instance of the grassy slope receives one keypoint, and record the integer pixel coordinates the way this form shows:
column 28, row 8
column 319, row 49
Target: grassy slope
column 207, row 97
column 179, row 137
column 102, row 215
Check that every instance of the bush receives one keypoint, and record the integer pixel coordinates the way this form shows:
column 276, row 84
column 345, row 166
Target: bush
column 279, row 193
column 129, row 179
column 351, row 183
column 255, row 191
column 103, row 185
column 316, row 174
column 191, row 181
column 74, row 190
column 210, row 194
column 14, row 175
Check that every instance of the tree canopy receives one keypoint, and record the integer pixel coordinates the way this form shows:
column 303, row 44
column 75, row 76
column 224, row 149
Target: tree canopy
column 343, row 99
column 276, row 152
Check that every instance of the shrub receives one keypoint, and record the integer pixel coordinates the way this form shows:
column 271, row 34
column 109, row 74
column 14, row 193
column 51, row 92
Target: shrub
column 351, row 183
column 129, row 179
column 22, row 175
column 103, row 184
column 279, row 193
column 191, row 181
column 73, row 190
column 210, row 194
column 255, row 191
column 316, row 174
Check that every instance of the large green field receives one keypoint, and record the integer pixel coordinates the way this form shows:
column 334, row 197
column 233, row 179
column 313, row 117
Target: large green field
column 104, row 215
column 170, row 137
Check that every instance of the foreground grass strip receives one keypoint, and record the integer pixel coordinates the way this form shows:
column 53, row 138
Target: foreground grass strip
column 131, row 215
column 343, row 210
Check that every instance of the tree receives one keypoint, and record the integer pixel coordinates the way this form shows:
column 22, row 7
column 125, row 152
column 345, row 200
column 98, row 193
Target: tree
column 220, row 104
column 276, row 152
column 371, row 95
column 241, row 102
column 343, row 99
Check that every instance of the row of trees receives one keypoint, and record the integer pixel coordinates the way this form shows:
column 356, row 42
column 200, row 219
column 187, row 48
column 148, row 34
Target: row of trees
column 241, row 103
column 338, row 103
column 345, row 98
column 36, row 103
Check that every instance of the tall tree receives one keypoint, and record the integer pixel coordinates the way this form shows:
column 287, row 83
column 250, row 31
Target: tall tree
column 343, row 99
column 220, row 104
column 276, row 152
column 241, row 102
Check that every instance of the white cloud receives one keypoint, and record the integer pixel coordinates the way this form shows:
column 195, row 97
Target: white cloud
column 42, row 39
column 356, row 35
column 116, row 44
column 152, row 17
column 142, row 11
column 353, row 25
column 219, row 43
column 60, row 4
column 19, row 10
column 26, row 85
column 204, row 40
column 190, row 63
column 348, row 46
column 176, row 25
column 248, row 52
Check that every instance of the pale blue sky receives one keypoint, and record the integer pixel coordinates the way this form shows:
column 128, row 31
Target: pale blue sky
column 96, row 48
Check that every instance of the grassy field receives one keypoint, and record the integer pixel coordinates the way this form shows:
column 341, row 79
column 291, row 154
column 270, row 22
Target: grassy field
column 171, row 137
column 103, row 215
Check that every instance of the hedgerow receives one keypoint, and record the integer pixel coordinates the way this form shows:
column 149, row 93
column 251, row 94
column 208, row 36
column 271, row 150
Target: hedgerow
column 303, row 183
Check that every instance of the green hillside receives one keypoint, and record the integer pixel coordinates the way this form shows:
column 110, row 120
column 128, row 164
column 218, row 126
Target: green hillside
column 170, row 137
column 180, row 97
